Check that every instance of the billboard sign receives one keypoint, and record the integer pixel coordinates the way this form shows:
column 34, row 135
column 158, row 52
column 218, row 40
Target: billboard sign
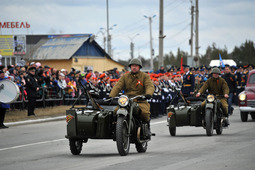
column 6, row 45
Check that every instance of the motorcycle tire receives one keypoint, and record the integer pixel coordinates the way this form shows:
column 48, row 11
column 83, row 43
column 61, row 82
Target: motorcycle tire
column 219, row 129
column 209, row 122
column 122, row 138
column 141, row 147
column 172, row 131
column 244, row 116
column 75, row 146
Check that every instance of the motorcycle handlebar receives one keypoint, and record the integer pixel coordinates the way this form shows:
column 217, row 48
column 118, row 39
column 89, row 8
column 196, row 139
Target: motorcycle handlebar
column 203, row 95
column 139, row 96
column 131, row 98
column 110, row 98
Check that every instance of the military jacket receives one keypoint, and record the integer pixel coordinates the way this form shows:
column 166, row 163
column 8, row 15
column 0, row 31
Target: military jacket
column 242, row 78
column 215, row 86
column 156, row 95
column 92, row 88
column 31, row 85
column 102, row 89
column 134, row 84
column 188, row 83
column 231, row 81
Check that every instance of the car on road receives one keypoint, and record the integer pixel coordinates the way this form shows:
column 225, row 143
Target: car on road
column 247, row 98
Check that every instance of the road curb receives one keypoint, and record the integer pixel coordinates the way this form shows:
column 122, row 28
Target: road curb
column 35, row 121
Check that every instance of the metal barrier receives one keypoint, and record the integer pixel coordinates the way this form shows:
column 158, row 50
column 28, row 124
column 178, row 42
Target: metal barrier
column 48, row 95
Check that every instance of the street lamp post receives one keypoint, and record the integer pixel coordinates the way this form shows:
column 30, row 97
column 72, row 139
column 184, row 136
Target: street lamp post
column 151, row 48
column 104, row 38
column 108, row 39
column 132, row 45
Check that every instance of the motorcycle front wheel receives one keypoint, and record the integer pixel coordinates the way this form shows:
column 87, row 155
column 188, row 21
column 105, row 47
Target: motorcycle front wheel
column 172, row 131
column 122, row 138
column 209, row 122
column 141, row 147
column 219, row 129
column 75, row 146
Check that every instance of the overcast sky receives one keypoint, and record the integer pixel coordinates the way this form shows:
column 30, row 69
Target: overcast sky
column 226, row 22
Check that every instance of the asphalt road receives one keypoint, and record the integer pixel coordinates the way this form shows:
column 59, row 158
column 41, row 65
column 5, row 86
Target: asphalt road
column 43, row 146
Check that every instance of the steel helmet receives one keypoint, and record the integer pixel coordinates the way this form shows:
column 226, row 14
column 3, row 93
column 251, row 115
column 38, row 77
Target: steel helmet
column 216, row 71
column 135, row 61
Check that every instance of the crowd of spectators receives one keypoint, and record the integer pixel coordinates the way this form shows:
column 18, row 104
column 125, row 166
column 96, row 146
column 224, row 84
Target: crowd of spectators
column 56, row 83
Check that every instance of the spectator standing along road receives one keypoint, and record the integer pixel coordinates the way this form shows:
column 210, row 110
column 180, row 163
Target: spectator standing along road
column 231, row 81
column 31, row 87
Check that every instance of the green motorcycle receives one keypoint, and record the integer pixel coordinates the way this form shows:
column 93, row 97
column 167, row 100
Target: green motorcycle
column 104, row 122
column 188, row 112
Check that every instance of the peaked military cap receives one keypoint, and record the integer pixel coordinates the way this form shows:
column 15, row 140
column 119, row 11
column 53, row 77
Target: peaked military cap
column 32, row 69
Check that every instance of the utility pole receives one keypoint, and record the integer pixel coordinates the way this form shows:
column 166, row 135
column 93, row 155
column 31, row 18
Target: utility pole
column 107, row 29
column 110, row 45
column 191, row 34
column 197, row 46
column 161, row 33
column 151, row 48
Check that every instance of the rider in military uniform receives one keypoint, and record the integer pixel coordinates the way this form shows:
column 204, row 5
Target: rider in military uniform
column 136, row 83
column 217, row 86
column 31, row 87
column 188, row 82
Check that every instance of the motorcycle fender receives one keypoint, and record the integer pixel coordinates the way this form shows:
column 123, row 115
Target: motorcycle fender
column 122, row 111
column 71, row 118
column 209, row 105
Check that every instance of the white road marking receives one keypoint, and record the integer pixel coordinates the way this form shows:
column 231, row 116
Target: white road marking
column 31, row 144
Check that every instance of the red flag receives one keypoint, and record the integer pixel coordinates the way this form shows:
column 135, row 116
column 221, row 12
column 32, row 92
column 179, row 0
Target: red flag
column 181, row 63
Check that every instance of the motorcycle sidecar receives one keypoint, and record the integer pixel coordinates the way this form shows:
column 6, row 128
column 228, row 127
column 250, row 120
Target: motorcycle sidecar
column 184, row 115
column 85, row 123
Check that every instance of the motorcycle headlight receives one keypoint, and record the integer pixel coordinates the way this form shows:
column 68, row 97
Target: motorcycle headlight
column 123, row 101
column 210, row 98
column 242, row 97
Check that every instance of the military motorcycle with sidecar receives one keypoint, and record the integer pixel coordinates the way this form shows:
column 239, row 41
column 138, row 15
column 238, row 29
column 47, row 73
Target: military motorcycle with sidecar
column 188, row 112
column 97, row 121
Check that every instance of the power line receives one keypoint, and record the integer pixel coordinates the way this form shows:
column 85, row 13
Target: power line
column 176, row 45
column 173, row 8
column 174, row 35
column 179, row 23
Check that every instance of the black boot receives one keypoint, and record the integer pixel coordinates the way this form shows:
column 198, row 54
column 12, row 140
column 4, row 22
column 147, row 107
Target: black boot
column 226, row 121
